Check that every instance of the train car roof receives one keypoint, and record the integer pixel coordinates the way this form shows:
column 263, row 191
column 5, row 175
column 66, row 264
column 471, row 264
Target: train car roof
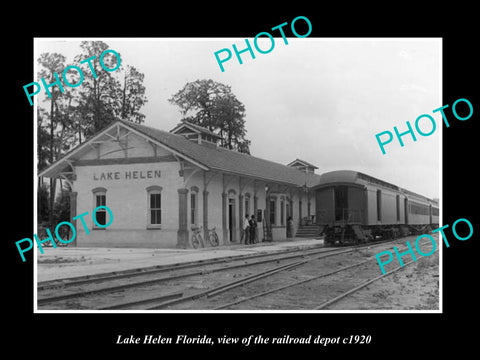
column 338, row 176
column 350, row 176
column 354, row 177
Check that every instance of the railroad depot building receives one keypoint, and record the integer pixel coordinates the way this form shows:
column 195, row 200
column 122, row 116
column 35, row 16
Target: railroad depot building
column 161, row 184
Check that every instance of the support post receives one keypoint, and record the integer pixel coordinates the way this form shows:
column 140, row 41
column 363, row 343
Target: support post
column 240, row 214
column 300, row 209
column 182, row 233
column 205, row 215
column 73, row 213
column 224, row 218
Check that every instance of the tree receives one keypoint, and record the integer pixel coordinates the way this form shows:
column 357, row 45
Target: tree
column 77, row 113
column 51, row 63
column 42, row 203
column 43, row 140
column 97, row 97
column 132, row 95
column 213, row 105
column 108, row 96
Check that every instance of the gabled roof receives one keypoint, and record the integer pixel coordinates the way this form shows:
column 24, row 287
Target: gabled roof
column 207, row 157
column 302, row 163
column 193, row 127
column 218, row 158
column 73, row 154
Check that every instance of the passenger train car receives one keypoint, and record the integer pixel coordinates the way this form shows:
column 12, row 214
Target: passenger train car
column 353, row 207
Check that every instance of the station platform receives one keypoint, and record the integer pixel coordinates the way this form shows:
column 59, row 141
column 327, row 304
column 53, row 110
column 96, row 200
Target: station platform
column 65, row 262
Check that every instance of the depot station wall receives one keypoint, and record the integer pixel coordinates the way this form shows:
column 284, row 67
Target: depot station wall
column 156, row 199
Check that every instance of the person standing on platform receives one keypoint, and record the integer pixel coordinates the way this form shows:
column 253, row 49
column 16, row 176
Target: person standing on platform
column 289, row 227
column 246, row 230
column 253, row 229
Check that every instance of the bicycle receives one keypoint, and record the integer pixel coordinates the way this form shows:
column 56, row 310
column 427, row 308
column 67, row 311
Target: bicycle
column 63, row 232
column 196, row 238
column 213, row 237
column 42, row 234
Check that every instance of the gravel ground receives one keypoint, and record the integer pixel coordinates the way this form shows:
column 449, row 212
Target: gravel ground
column 414, row 287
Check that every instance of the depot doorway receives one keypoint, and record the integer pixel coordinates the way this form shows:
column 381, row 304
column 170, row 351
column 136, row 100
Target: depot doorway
column 231, row 220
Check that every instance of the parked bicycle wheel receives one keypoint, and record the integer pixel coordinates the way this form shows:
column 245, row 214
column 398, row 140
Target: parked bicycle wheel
column 64, row 233
column 42, row 235
column 213, row 238
column 195, row 241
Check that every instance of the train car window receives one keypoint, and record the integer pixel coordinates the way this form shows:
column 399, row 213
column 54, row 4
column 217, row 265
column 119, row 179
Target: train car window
column 419, row 209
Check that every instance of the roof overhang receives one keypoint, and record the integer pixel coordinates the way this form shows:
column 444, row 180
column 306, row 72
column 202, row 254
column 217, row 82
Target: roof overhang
column 68, row 159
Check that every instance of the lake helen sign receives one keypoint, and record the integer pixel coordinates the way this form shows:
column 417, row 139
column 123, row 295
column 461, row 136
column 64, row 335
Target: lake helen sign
column 127, row 175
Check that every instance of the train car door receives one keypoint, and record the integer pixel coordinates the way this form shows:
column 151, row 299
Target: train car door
column 341, row 202
column 406, row 210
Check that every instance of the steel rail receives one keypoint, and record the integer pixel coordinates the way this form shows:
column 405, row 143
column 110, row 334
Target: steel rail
column 228, row 286
column 288, row 286
column 225, row 287
column 78, row 280
column 236, row 302
column 274, row 258
column 72, row 295
column 362, row 285
column 114, row 275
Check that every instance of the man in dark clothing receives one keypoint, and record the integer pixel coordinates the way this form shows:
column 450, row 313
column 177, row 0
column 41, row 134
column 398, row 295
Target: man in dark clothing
column 253, row 229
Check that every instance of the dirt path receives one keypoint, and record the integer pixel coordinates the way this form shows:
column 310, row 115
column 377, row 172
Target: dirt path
column 416, row 287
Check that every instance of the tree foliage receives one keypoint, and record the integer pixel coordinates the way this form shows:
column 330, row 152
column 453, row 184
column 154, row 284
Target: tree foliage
column 74, row 114
column 132, row 95
column 213, row 105
column 78, row 113
column 97, row 97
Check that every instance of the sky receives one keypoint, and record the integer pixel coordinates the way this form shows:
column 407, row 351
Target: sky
column 322, row 100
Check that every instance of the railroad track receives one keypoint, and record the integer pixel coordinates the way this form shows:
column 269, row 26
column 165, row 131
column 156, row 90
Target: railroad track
column 210, row 293
column 73, row 288
column 325, row 304
column 136, row 272
column 71, row 293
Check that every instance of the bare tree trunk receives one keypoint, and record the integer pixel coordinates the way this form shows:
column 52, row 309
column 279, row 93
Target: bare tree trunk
column 52, row 181
column 124, row 96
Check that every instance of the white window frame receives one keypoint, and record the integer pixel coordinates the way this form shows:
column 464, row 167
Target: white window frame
column 194, row 211
column 153, row 190
column 99, row 191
